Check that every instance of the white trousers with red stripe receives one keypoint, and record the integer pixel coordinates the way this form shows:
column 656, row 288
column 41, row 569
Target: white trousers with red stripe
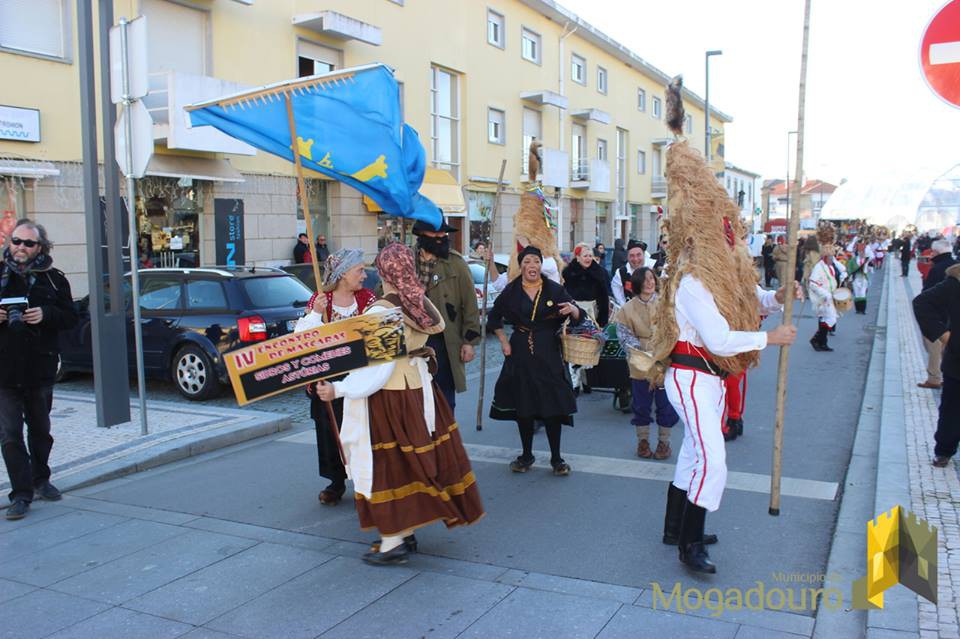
column 699, row 398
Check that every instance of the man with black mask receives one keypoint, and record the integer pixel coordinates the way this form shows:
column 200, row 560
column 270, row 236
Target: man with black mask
column 35, row 305
column 449, row 285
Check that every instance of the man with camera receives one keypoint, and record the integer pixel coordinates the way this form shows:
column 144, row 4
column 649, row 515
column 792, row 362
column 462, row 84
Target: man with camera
column 35, row 305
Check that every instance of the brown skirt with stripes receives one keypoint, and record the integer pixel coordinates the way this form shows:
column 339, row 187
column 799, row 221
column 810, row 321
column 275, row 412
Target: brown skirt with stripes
column 417, row 478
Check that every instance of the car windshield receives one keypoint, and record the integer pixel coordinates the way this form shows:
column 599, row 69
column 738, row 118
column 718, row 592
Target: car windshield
column 477, row 271
column 272, row 292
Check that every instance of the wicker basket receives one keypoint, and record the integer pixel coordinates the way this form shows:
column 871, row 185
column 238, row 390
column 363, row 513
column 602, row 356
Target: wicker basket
column 580, row 351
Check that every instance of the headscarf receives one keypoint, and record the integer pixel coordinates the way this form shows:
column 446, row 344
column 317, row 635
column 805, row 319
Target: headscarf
column 529, row 249
column 396, row 265
column 337, row 266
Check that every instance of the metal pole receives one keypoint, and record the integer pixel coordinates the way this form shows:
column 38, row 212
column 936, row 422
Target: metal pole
column 792, row 231
column 132, row 215
column 706, row 113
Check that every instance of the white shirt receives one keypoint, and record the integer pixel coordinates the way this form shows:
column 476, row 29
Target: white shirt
column 617, row 283
column 549, row 269
column 701, row 323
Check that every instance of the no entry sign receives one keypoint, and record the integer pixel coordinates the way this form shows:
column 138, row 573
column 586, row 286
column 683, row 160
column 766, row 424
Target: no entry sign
column 940, row 53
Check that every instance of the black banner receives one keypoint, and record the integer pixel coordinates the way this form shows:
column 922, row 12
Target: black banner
column 297, row 371
column 228, row 231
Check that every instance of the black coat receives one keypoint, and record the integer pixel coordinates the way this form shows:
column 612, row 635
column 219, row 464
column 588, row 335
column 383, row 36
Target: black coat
column 906, row 250
column 936, row 310
column 299, row 252
column 938, row 270
column 31, row 352
column 589, row 285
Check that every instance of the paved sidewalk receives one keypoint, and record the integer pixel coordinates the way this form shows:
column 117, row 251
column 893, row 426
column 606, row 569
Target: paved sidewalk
column 84, row 453
column 934, row 492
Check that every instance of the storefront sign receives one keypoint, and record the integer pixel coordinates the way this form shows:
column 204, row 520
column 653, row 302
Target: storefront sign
column 274, row 366
column 228, row 229
column 21, row 125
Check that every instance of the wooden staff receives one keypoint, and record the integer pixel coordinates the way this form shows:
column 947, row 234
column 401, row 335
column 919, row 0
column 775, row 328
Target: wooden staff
column 301, row 188
column 483, row 309
column 788, row 285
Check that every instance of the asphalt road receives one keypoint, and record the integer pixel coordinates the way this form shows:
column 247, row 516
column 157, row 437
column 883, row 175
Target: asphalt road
column 603, row 525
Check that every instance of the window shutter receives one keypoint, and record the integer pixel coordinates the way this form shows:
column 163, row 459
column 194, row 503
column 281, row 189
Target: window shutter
column 35, row 26
column 176, row 37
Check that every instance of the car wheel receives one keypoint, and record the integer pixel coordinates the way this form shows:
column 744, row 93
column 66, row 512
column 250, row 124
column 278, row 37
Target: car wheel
column 194, row 375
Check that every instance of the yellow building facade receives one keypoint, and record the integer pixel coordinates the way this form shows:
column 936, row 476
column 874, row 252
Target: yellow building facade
column 479, row 80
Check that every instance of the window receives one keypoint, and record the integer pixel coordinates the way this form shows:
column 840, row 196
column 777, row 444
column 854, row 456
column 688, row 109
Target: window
column 656, row 108
column 601, row 149
column 530, row 45
column 495, row 126
column 271, row 292
column 445, row 120
column 479, row 210
column 641, row 162
column 532, row 128
column 601, row 80
column 641, row 100
column 317, row 203
column 314, row 59
column 495, row 28
column 160, row 293
column 205, row 294
column 39, row 27
column 578, row 69
column 621, row 210
column 578, row 152
column 688, row 123
column 177, row 37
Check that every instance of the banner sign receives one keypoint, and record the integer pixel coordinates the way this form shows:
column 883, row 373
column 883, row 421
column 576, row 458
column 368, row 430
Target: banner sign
column 277, row 365
column 228, row 231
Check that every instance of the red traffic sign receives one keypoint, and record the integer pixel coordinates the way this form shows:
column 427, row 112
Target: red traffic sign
column 940, row 53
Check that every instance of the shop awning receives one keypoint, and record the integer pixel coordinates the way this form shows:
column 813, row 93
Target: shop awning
column 27, row 168
column 440, row 187
column 179, row 166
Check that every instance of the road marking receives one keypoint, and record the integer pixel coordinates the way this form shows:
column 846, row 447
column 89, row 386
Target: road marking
column 632, row 469
column 945, row 53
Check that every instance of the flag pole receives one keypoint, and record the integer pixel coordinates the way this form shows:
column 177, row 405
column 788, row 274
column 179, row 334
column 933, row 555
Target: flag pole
column 792, row 231
column 486, row 281
column 301, row 188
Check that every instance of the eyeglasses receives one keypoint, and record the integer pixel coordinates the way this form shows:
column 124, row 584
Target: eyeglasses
column 16, row 241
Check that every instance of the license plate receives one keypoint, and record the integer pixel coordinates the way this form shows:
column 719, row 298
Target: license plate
column 291, row 324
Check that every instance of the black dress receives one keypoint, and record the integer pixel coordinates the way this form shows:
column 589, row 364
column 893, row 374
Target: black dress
column 534, row 382
column 589, row 285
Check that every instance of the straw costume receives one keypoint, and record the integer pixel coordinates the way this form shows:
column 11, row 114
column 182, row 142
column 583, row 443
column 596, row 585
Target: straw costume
column 328, row 450
column 401, row 442
column 706, row 328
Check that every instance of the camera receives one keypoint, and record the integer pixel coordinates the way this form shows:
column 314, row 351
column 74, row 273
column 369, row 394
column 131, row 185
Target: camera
column 14, row 306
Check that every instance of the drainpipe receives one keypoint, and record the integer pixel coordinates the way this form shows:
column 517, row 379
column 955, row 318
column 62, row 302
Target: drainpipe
column 567, row 32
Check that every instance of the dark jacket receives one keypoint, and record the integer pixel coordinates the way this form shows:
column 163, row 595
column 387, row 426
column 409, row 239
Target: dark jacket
column 906, row 250
column 323, row 252
column 936, row 310
column 31, row 352
column 589, row 285
column 938, row 270
column 619, row 256
column 451, row 290
column 299, row 252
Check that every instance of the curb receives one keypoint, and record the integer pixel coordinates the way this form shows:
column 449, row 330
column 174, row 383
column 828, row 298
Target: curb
column 239, row 427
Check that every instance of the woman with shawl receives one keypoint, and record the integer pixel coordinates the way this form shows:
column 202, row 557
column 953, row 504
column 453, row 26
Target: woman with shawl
column 534, row 383
column 401, row 444
column 342, row 295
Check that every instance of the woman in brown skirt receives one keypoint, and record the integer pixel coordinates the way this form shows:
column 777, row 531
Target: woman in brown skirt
column 402, row 447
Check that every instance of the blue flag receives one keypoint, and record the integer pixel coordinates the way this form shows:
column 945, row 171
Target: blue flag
column 348, row 128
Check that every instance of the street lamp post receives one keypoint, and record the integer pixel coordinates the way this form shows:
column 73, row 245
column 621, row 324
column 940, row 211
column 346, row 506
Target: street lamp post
column 787, row 183
column 706, row 100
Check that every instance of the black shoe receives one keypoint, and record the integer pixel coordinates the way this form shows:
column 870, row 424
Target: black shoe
column 696, row 558
column 18, row 509
column 560, row 468
column 739, row 424
column 47, row 492
column 826, row 348
column 938, row 460
column 410, row 542
column 393, row 557
column 521, row 465
column 815, row 343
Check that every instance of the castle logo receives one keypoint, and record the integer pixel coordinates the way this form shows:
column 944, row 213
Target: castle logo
column 901, row 548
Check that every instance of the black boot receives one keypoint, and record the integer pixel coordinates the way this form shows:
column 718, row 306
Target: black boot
column 826, row 330
column 693, row 553
column 676, row 502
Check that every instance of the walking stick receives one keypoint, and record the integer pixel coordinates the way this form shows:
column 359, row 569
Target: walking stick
column 775, row 475
column 483, row 309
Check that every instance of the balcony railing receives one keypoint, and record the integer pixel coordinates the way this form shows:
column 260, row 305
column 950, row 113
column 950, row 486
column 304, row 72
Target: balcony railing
column 658, row 186
column 580, row 173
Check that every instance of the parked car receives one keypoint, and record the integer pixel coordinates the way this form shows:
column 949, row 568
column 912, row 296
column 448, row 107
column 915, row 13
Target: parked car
column 477, row 269
column 304, row 273
column 191, row 318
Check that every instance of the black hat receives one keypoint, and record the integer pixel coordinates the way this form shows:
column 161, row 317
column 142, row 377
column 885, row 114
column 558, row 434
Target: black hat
column 422, row 226
column 632, row 244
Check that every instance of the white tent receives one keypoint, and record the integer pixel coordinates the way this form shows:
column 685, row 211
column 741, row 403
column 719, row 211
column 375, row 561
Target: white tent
column 928, row 199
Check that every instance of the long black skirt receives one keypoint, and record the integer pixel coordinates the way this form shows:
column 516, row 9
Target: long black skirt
column 534, row 382
column 328, row 451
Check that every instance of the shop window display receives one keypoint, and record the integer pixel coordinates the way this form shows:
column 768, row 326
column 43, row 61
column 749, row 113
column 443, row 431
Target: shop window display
column 319, row 212
column 11, row 205
column 168, row 217
column 392, row 229
column 480, row 211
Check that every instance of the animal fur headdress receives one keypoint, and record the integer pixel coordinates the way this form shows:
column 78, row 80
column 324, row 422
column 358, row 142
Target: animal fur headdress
column 705, row 239
column 826, row 233
column 531, row 223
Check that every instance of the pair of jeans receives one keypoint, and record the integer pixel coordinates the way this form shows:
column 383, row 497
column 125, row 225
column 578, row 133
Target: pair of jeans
column 643, row 398
column 947, row 436
column 444, row 376
column 30, row 406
